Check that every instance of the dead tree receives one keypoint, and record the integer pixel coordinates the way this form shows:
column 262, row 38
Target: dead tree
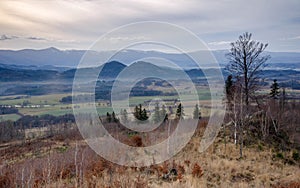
column 246, row 61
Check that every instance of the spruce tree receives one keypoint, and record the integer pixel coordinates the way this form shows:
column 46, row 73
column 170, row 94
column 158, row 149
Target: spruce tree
column 229, row 90
column 179, row 112
column 108, row 117
column 137, row 113
column 144, row 115
column 274, row 90
column 114, row 118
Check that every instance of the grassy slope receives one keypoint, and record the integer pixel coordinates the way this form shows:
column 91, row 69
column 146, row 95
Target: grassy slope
column 258, row 168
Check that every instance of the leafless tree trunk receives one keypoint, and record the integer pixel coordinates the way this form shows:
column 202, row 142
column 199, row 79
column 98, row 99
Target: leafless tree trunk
column 241, row 125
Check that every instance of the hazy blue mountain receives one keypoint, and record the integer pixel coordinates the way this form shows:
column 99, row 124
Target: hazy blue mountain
column 48, row 56
column 19, row 73
column 26, row 75
column 12, row 66
column 34, row 67
column 141, row 69
column 71, row 58
column 109, row 70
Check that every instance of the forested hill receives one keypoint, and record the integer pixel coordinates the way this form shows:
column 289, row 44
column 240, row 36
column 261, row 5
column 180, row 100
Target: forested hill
column 112, row 69
column 15, row 73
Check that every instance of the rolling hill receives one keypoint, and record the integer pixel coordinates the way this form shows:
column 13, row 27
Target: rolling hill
column 17, row 80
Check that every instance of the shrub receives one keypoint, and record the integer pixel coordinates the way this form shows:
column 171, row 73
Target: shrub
column 295, row 155
column 165, row 168
column 137, row 141
column 5, row 181
column 197, row 171
column 260, row 147
column 187, row 162
column 181, row 169
column 140, row 183
column 279, row 155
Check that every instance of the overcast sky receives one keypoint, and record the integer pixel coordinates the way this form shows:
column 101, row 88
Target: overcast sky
column 67, row 24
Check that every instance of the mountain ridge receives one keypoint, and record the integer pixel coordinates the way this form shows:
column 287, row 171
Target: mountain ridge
column 71, row 58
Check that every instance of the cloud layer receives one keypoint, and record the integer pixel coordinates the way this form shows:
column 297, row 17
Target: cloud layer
column 76, row 24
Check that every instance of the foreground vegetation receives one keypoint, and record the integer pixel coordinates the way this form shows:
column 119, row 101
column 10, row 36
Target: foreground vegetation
column 65, row 160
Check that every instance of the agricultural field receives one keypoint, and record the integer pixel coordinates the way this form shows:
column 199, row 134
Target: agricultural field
column 50, row 104
column 12, row 117
column 51, row 99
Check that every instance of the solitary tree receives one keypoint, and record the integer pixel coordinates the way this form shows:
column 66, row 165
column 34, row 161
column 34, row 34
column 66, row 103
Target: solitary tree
column 124, row 116
column 144, row 115
column 137, row 112
column 179, row 112
column 246, row 61
column 274, row 90
column 245, row 64
column 114, row 118
column 196, row 113
column 156, row 115
column 108, row 117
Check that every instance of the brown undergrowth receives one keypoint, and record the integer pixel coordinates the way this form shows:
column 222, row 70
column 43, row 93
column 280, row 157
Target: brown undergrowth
column 71, row 163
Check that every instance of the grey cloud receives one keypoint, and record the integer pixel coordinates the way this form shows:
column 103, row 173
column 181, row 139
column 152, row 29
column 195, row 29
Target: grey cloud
column 216, row 43
column 10, row 37
column 36, row 38
column 291, row 38
column 6, row 37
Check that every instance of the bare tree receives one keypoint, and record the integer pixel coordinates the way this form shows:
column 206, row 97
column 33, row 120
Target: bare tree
column 245, row 64
column 246, row 61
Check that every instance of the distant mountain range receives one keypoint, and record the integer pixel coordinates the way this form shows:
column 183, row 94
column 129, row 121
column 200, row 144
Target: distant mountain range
column 109, row 71
column 60, row 60
column 16, row 80
column 15, row 73
column 37, row 72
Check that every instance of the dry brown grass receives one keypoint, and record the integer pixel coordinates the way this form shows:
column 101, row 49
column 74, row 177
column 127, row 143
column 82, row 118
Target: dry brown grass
column 213, row 168
column 197, row 171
